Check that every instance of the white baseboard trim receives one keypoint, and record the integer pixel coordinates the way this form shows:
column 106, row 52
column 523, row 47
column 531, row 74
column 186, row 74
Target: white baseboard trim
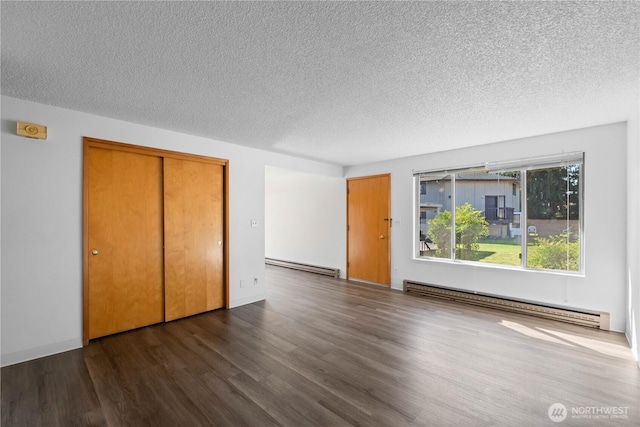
column 246, row 300
column 634, row 350
column 38, row 352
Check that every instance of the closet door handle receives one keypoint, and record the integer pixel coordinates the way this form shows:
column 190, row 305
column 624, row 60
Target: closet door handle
column 94, row 252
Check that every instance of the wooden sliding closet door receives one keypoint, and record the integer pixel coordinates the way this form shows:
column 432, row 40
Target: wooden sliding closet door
column 124, row 236
column 194, row 233
column 154, row 234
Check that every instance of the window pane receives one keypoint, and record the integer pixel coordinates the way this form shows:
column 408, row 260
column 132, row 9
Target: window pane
column 553, row 218
column 488, row 208
column 521, row 213
column 435, row 216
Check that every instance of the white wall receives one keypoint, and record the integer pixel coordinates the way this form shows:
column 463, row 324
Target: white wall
column 305, row 218
column 633, row 230
column 603, row 285
column 41, row 197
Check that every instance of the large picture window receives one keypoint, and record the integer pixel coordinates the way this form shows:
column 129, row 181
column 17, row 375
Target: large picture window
column 523, row 214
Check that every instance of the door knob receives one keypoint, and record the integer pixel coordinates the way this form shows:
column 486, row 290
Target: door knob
column 381, row 237
column 94, row 252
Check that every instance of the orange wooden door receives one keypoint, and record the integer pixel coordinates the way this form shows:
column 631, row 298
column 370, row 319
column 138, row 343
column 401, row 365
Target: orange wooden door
column 368, row 225
column 124, row 240
column 193, row 226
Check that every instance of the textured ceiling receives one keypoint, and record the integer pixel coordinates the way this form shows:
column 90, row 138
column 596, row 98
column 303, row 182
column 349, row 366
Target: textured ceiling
column 343, row 82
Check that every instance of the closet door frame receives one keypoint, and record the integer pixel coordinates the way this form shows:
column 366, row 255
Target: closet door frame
column 89, row 142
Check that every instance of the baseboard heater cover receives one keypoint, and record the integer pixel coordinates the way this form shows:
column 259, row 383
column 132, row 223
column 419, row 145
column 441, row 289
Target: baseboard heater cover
column 594, row 319
column 326, row 271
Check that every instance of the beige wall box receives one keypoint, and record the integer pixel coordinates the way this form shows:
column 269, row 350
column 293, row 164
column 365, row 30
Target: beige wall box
column 32, row 131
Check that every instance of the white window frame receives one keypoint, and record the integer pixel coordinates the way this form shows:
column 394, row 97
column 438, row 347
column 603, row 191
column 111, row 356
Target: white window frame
column 523, row 166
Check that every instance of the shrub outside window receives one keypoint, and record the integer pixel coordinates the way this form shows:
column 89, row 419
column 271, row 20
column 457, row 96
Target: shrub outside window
column 524, row 214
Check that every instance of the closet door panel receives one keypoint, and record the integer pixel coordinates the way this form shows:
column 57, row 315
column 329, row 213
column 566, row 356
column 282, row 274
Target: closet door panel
column 193, row 228
column 125, row 261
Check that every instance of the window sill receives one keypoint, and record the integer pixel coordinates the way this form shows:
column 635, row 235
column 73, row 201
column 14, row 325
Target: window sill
column 475, row 264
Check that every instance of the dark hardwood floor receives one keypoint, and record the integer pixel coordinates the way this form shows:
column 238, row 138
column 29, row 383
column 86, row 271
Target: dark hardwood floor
column 324, row 352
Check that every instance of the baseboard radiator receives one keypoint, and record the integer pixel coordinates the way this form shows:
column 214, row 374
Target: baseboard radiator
column 594, row 319
column 326, row 271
